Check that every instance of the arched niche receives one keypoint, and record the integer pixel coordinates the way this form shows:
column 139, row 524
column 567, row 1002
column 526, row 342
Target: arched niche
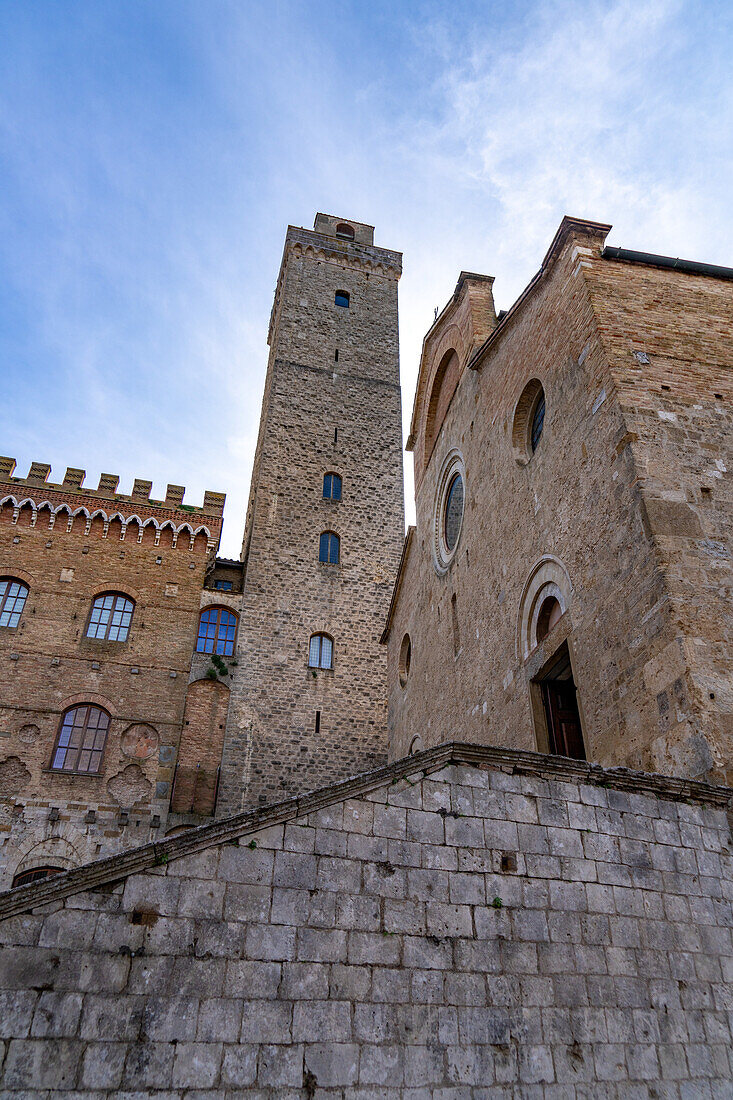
column 545, row 599
column 444, row 386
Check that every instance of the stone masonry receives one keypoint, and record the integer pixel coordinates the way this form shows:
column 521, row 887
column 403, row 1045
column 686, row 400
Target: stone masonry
column 331, row 404
column 467, row 924
column 624, row 511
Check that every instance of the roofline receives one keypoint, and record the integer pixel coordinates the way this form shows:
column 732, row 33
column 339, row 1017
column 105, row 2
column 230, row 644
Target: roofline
column 514, row 761
column 397, row 583
column 567, row 225
column 692, row 267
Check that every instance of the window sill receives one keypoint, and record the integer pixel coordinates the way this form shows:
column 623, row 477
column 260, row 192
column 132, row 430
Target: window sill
column 73, row 775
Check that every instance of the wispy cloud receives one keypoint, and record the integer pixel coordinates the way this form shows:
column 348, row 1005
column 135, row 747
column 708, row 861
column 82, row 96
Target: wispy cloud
column 152, row 156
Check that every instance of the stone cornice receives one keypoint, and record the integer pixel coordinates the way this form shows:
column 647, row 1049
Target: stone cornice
column 514, row 761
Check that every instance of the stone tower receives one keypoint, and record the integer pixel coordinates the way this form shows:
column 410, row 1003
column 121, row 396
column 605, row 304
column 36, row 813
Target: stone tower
column 331, row 407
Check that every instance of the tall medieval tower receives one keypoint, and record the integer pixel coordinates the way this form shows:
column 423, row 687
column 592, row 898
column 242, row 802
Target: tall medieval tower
column 308, row 703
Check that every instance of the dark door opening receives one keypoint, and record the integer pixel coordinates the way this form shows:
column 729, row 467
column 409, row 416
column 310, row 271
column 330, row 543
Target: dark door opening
column 560, row 702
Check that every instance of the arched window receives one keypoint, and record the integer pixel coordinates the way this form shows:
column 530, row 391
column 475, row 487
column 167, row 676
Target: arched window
column 320, row 651
column 35, row 874
column 528, row 421
column 328, row 550
column 80, row 742
column 345, row 231
column 342, row 299
column 217, row 631
column 331, row 487
column 111, row 617
column 13, row 595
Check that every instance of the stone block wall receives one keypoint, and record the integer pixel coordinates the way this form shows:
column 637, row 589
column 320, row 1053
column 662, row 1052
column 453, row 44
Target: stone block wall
column 668, row 337
column 469, row 924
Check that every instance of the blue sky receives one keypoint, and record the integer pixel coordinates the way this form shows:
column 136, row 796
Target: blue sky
column 153, row 152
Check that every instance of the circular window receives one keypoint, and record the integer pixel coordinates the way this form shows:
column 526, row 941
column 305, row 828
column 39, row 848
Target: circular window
column 453, row 512
column 529, row 420
column 405, row 658
column 449, row 506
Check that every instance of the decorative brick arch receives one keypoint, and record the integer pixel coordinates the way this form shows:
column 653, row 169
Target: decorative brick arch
column 548, row 577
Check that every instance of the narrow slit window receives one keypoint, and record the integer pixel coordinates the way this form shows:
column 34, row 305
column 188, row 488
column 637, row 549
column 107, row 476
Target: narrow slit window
column 318, row 721
column 456, row 628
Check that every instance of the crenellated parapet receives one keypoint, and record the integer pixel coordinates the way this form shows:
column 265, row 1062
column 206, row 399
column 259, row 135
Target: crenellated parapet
column 35, row 501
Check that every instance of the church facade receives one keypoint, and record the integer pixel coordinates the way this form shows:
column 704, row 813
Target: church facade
column 566, row 589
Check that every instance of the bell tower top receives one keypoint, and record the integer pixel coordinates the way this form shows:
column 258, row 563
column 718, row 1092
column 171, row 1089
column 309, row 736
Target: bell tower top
column 332, row 226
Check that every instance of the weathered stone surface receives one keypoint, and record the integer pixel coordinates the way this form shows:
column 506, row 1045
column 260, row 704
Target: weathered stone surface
column 562, row 977
column 621, row 511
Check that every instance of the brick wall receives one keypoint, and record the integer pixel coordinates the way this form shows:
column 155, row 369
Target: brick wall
column 509, row 928
column 48, row 664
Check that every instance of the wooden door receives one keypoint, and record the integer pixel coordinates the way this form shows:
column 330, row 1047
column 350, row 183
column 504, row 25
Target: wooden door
column 563, row 719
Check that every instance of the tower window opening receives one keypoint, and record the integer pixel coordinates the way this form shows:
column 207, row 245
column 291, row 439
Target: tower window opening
column 342, row 299
column 320, row 652
column 336, row 356
column 328, row 548
column 331, row 487
column 335, row 435
column 345, row 231
column 318, row 721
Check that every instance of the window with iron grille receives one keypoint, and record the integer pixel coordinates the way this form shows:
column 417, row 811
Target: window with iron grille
column 320, row 652
column 217, row 631
column 111, row 617
column 35, row 874
column 13, row 595
column 328, row 548
column 80, row 741
column 331, row 487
